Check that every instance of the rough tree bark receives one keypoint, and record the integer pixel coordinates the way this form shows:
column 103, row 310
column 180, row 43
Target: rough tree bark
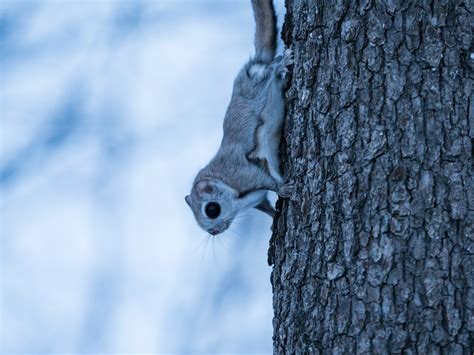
column 374, row 252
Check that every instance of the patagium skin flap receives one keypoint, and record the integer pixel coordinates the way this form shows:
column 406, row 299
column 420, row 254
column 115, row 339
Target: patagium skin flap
column 246, row 166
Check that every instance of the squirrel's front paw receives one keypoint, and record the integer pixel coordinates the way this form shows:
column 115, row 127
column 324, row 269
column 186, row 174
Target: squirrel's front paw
column 285, row 61
column 288, row 57
column 286, row 190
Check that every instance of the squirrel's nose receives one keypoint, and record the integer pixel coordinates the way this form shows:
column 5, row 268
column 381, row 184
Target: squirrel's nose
column 214, row 231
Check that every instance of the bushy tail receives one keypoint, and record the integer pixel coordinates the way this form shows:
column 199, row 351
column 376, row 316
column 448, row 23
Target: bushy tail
column 266, row 30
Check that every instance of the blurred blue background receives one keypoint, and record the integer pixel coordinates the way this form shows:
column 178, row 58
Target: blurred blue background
column 108, row 110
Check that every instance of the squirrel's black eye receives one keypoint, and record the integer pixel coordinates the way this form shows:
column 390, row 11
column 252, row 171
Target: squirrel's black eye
column 213, row 210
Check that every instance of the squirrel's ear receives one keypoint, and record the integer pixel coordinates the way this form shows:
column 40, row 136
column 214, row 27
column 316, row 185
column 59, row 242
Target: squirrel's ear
column 204, row 187
column 188, row 200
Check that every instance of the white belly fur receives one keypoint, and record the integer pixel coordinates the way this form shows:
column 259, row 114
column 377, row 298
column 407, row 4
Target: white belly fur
column 269, row 133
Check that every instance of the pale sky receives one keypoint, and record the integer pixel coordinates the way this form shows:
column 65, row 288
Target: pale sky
column 108, row 109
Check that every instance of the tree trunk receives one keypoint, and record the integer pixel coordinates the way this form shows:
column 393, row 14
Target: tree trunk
column 374, row 253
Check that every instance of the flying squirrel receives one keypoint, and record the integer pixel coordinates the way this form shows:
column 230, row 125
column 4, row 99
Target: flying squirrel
column 246, row 165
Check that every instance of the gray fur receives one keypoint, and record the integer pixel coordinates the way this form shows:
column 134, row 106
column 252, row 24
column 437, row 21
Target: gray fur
column 246, row 165
column 266, row 31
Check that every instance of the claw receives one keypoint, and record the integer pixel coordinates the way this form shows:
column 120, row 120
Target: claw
column 288, row 57
column 286, row 190
column 285, row 61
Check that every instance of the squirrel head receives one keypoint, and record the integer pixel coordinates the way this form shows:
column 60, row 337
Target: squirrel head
column 214, row 205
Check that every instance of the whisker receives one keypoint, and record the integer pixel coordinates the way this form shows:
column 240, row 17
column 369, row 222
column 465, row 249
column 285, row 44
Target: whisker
column 236, row 217
column 224, row 244
column 200, row 245
column 225, row 241
column 214, row 250
column 204, row 251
